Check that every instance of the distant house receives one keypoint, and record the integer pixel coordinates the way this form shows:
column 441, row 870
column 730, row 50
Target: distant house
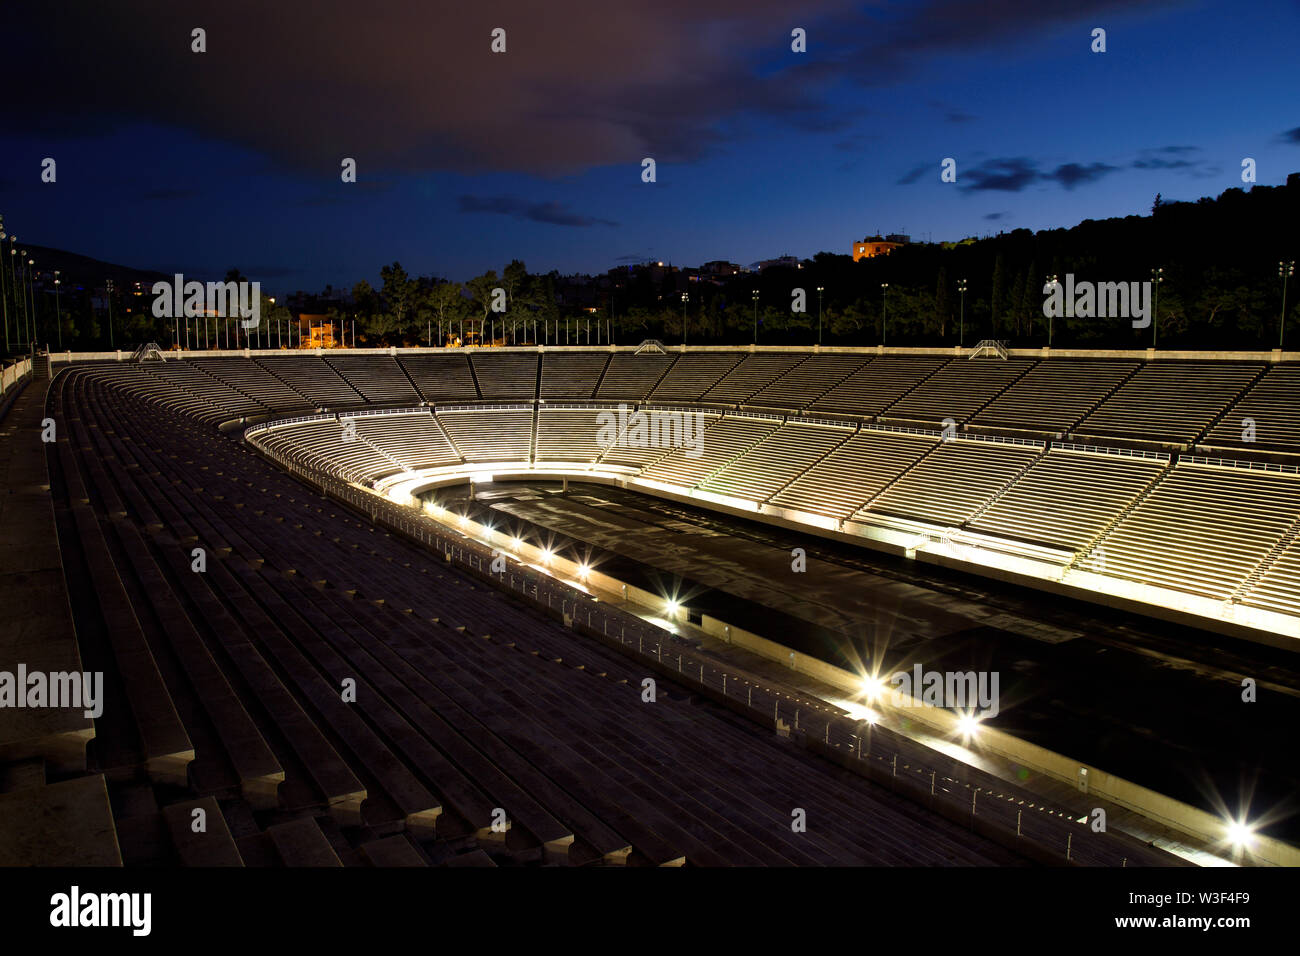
column 873, row 246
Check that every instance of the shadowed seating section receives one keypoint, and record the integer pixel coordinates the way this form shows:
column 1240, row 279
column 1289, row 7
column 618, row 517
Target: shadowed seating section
column 722, row 443
column 572, row 374
column 1202, row 529
column 951, row 483
column 318, row 382
column 752, row 374
column 1169, row 401
column 249, row 378
column 1066, row 496
column 632, row 377
column 1266, row 416
column 1054, row 396
column 957, row 390
column 855, row 473
column 877, row 385
column 505, row 374
column 377, row 377
column 693, row 374
column 808, row 381
column 776, row 461
column 569, row 434
column 507, row 437
column 441, row 378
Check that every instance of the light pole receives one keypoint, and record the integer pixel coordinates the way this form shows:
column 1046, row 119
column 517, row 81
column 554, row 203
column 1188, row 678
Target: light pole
column 1284, row 269
column 13, row 285
column 820, row 290
column 961, row 328
column 884, row 316
column 110, row 319
column 1052, row 283
column 4, row 294
column 31, row 292
column 686, row 297
column 755, row 297
column 1157, row 277
column 58, row 312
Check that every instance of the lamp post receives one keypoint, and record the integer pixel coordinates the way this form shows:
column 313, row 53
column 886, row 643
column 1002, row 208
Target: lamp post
column 4, row 294
column 755, row 297
column 820, row 290
column 686, row 297
column 1052, row 283
column 1285, row 270
column 13, row 285
column 58, row 312
column 884, row 315
column 961, row 329
column 110, row 319
column 1157, row 277
column 31, row 292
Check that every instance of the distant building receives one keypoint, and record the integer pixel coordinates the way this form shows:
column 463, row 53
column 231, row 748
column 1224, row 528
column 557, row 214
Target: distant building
column 783, row 262
column 720, row 267
column 873, row 246
column 316, row 331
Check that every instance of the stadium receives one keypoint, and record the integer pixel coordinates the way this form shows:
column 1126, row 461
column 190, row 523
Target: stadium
column 388, row 607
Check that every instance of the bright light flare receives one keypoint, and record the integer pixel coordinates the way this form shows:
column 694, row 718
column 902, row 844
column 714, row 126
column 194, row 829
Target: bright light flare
column 1240, row 834
column 968, row 726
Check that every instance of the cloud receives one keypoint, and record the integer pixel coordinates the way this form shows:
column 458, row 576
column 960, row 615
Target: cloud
column 913, row 174
column 1183, row 158
column 413, row 87
column 1000, row 175
column 1291, row 136
column 995, row 216
column 1070, row 175
column 552, row 212
column 1015, row 174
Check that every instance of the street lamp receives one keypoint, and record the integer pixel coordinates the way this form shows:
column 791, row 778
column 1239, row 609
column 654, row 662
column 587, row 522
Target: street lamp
column 820, row 290
column 58, row 312
column 884, row 292
column 4, row 294
column 1052, row 283
column 961, row 329
column 110, row 319
column 1284, row 269
column 755, row 297
column 685, row 298
column 1157, row 277
column 31, row 291
column 13, row 284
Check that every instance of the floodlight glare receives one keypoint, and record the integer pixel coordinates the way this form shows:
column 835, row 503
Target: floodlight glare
column 874, row 687
column 1240, row 834
column 968, row 725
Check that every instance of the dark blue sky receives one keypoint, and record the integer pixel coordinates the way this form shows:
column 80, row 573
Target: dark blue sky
column 195, row 162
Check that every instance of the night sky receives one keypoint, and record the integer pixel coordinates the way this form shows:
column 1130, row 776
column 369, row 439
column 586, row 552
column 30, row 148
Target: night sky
column 194, row 163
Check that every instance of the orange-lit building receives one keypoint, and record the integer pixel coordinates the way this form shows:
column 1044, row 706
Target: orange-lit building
column 873, row 246
column 317, row 331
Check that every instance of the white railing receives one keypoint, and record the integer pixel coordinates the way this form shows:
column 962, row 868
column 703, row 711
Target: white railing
column 13, row 374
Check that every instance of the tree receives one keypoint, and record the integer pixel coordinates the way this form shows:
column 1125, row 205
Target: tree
column 398, row 292
column 482, row 287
